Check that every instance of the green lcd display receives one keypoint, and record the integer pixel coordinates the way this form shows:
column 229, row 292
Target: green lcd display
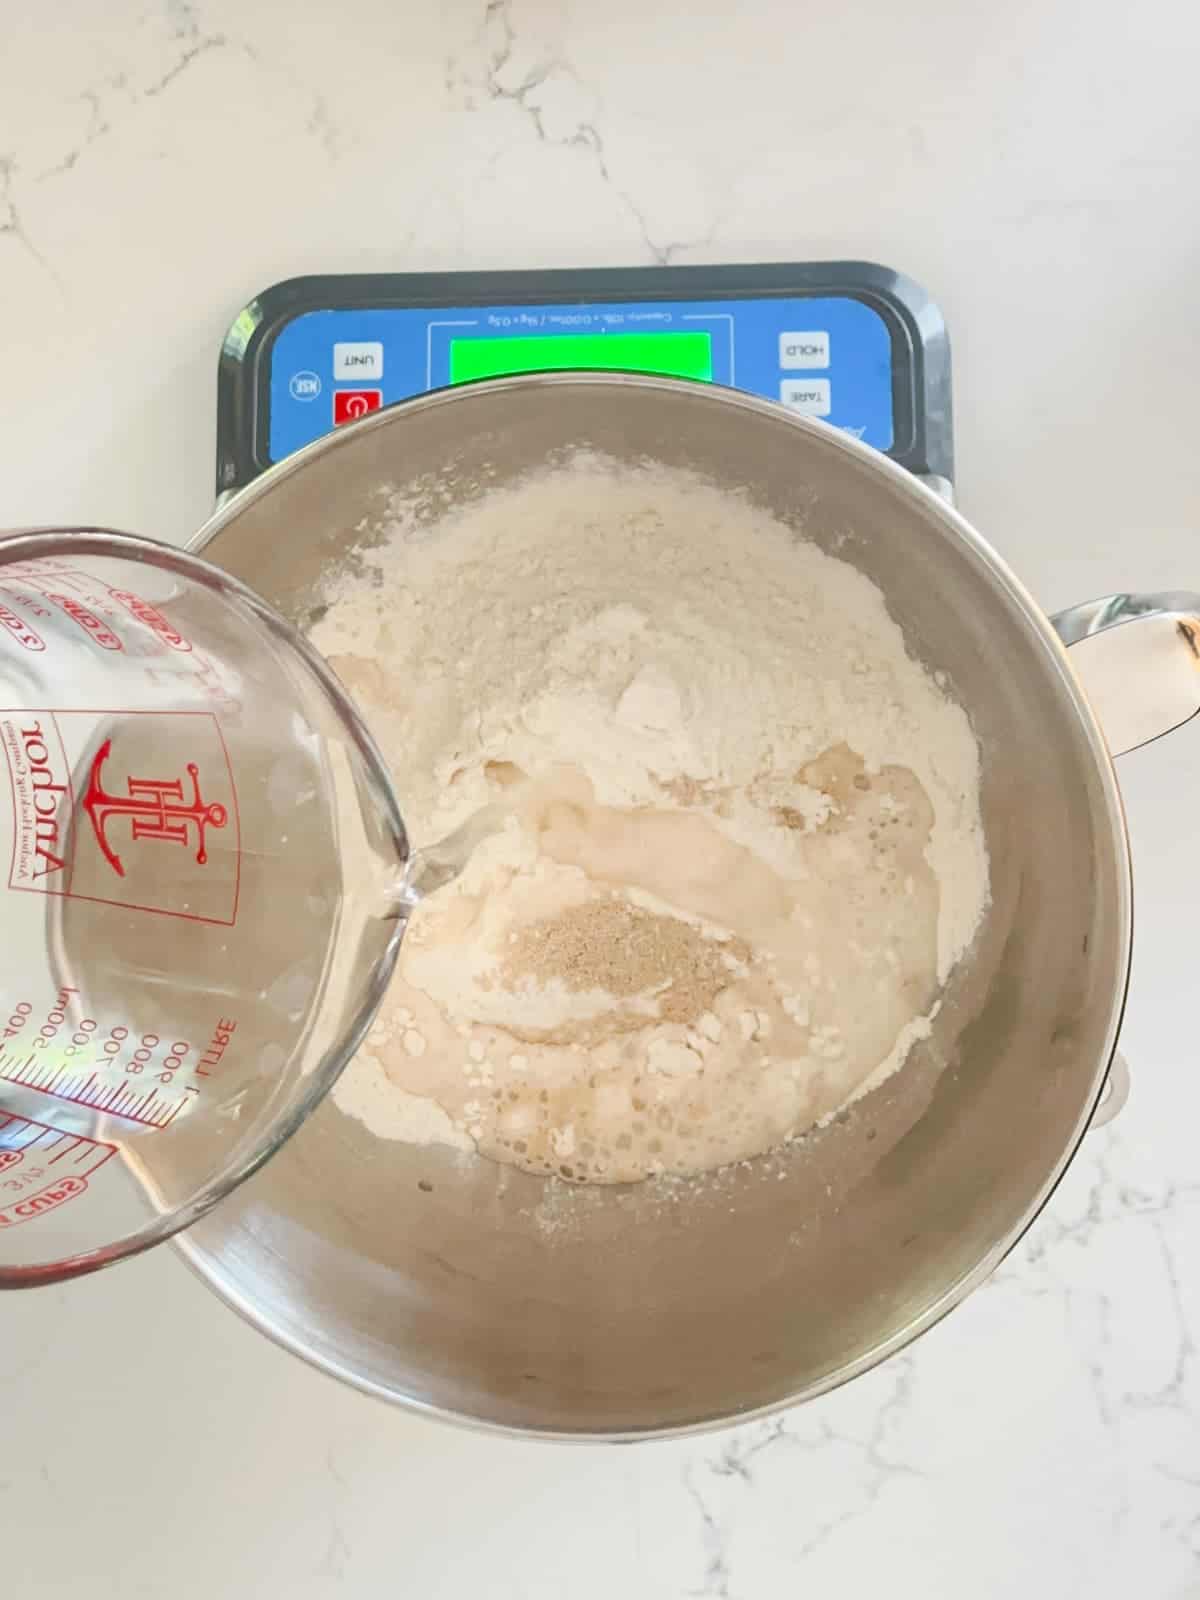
column 675, row 355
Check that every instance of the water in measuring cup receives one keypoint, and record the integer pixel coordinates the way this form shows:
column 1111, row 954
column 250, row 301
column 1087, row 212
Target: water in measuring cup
column 206, row 880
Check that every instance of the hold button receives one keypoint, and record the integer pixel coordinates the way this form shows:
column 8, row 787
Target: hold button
column 803, row 350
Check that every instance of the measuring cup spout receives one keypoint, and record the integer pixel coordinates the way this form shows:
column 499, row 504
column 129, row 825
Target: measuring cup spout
column 438, row 864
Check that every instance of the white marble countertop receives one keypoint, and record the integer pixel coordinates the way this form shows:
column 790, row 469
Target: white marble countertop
column 1036, row 166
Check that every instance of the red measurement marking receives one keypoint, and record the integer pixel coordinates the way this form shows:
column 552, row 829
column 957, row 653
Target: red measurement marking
column 97, row 631
column 86, row 1091
column 172, row 1114
column 217, row 1046
column 20, row 630
column 152, row 617
column 26, row 1205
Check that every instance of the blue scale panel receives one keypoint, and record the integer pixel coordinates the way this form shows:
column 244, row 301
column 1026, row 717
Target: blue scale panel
column 825, row 356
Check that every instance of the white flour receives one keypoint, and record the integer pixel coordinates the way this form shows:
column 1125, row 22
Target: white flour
column 744, row 849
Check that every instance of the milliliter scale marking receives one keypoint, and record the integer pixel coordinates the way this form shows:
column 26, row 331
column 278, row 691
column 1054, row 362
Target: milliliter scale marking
column 142, row 1079
column 90, row 1088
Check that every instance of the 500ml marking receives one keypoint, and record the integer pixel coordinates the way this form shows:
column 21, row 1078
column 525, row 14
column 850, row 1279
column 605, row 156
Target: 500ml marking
column 140, row 1077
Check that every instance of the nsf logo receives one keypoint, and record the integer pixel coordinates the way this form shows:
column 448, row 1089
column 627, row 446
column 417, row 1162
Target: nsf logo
column 304, row 386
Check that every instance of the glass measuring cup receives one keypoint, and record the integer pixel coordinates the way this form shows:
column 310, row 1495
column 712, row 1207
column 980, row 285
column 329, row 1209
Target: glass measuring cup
column 202, row 892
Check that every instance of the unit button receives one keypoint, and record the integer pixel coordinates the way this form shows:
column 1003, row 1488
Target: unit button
column 806, row 394
column 803, row 350
column 357, row 361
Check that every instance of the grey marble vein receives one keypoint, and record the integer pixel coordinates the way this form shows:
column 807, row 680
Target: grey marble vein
column 11, row 224
column 504, row 80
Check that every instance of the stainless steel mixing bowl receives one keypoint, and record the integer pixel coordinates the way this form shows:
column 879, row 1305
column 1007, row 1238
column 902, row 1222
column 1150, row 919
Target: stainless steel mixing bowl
column 463, row 1287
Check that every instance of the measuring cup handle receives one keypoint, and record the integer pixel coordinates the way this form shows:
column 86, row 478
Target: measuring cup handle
column 1138, row 659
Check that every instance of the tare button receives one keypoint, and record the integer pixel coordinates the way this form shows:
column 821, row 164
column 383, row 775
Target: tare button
column 803, row 350
column 810, row 395
column 357, row 361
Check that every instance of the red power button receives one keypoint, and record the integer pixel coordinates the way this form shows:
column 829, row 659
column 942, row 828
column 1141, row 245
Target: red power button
column 349, row 404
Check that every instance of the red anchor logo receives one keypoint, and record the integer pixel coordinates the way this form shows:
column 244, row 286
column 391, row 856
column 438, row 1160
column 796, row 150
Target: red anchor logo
column 156, row 810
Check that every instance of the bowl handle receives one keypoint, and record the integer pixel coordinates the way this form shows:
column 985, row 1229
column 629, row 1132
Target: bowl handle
column 1143, row 681
column 1138, row 659
column 1116, row 1092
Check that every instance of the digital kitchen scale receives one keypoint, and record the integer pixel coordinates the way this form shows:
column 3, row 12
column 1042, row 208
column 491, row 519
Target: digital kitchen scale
column 856, row 344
